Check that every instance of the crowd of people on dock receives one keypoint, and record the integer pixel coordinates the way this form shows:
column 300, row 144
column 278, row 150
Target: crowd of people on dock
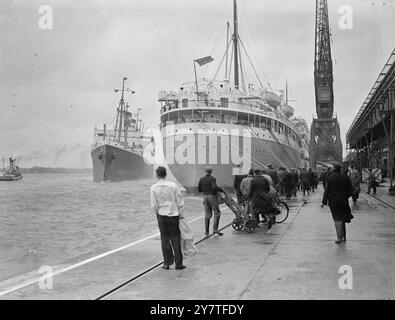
column 255, row 192
column 287, row 182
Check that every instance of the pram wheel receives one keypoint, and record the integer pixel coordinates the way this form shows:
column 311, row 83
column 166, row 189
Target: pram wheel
column 250, row 225
column 283, row 212
column 237, row 224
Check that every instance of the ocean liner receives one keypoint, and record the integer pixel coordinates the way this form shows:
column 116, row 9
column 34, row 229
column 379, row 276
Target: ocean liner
column 230, row 127
column 121, row 154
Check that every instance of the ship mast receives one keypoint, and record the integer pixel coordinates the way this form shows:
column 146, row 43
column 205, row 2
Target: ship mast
column 235, row 44
column 121, row 108
column 286, row 92
column 227, row 48
column 125, row 123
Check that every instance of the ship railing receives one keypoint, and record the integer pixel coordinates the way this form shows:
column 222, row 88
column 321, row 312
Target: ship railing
column 209, row 86
column 255, row 105
column 226, row 121
column 131, row 143
column 111, row 135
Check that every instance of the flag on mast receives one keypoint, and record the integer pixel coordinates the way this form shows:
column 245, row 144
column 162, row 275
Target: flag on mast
column 204, row 60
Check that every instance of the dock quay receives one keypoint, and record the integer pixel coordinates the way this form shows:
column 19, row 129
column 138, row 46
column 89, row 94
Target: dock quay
column 297, row 259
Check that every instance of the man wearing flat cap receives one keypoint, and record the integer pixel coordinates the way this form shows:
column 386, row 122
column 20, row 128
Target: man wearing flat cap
column 208, row 186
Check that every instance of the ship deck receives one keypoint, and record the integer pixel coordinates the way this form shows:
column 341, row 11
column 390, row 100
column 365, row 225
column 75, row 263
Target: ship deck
column 294, row 260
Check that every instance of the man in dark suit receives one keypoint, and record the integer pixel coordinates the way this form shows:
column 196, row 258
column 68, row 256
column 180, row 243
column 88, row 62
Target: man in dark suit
column 273, row 174
column 304, row 180
column 208, row 186
column 325, row 176
column 372, row 183
column 236, row 184
column 311, row 179
column 261, row 199
column 295, row 181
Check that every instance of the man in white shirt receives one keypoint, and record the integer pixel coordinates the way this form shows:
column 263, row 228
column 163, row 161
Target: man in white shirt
column 167, row 203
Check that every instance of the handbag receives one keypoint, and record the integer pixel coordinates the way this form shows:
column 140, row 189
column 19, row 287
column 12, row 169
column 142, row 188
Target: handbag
column 348, row 218
column 185, row 230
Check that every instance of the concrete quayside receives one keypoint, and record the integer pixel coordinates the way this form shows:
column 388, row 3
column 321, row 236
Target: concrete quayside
column 297, row 259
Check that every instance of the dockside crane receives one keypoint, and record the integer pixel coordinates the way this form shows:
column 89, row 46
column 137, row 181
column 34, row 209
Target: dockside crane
column 325, row 142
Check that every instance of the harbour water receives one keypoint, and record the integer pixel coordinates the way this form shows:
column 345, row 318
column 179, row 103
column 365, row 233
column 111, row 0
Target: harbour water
column 60, row 219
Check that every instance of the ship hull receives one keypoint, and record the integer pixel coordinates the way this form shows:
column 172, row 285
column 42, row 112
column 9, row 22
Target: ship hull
column 255, row 151
column 113, row 163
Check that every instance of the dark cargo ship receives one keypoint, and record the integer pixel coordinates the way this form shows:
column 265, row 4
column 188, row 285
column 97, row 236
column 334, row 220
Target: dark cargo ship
column 125, row 152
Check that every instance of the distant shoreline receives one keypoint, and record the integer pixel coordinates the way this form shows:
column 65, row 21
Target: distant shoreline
column 55, row 170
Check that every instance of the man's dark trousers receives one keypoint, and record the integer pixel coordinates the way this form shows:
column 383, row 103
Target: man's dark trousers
column 211, row 205
column 372, row 186
column 171, row 239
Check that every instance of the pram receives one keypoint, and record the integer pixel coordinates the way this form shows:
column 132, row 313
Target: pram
column 244, row 219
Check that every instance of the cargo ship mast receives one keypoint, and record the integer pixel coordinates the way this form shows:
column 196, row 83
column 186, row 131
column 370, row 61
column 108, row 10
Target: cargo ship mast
column 235, row 44
column 124, row 117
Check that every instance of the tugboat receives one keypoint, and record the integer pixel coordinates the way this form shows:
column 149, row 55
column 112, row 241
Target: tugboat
column 123, row 153
column 12, row 173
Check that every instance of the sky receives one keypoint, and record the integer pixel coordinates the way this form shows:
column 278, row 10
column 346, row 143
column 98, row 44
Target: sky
column 57, row 84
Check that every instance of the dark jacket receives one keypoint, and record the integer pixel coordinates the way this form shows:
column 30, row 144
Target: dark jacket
column 325, row 176
column 338, row 190
column 311, row 177
column 372, row 180
column 295, row 178
column 304, row 176
column 273, row 174
column 208, row 185
column 237, row 181
column 287, row 180
column 259, row 193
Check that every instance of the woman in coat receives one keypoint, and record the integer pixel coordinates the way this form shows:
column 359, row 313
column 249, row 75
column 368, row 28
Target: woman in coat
column 338, row 190
column 260, row 198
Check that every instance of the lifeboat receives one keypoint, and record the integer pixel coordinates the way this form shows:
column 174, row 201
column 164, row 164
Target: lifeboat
column 287, row 110
column 273, row 99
